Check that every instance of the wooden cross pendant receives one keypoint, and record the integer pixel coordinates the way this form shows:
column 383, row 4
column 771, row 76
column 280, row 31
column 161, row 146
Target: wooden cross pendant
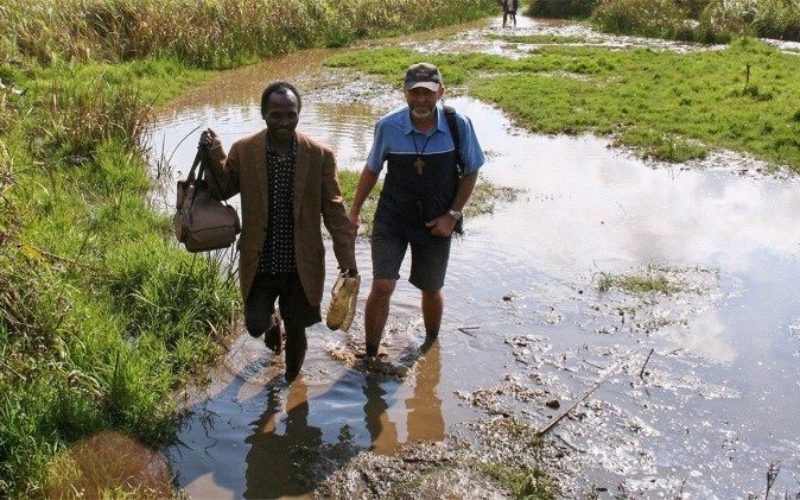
column 419, row 165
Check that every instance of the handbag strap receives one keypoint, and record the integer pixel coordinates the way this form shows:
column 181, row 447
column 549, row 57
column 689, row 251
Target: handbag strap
column 204, row 168
column 197, row 161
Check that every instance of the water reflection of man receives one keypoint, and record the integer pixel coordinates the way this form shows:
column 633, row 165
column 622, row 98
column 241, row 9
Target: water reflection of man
column 289, row 185
column 420, row 204
column 281, row 464
column 424, row 420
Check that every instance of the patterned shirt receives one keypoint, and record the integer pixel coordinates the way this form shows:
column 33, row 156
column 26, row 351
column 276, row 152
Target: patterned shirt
column 277, row 255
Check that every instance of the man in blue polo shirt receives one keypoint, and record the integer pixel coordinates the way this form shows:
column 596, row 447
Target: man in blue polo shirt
column 420, row 205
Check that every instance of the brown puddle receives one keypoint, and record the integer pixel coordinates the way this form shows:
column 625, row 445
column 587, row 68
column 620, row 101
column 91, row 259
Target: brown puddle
column 703, row 415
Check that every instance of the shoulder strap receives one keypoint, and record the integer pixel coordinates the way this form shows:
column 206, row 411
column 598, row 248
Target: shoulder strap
column 450, row 116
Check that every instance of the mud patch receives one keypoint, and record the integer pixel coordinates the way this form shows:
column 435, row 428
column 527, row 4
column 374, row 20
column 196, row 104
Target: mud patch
column 499, row 463
column 727, row 161
column 593, row 406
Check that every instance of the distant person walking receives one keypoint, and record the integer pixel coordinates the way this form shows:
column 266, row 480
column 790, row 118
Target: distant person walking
column 420, row 204
column 289, row 186
column 510, row 11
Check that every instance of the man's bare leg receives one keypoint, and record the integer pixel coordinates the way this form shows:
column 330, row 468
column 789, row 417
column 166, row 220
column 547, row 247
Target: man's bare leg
column 376, row 312
column 432, row 307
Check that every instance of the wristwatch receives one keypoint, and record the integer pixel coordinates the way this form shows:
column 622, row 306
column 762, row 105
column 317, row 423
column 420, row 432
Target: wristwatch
column 455, row 214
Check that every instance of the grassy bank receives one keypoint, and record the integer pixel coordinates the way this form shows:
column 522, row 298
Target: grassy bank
column 664, row 105
column 102, row 316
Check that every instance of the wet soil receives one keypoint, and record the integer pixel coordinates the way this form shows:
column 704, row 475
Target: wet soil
column 691, row 393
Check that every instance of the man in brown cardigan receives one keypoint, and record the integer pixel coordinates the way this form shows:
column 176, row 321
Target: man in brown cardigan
column 289, row 185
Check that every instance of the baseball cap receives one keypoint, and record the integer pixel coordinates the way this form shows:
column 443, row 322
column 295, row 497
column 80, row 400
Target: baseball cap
column 423, row 75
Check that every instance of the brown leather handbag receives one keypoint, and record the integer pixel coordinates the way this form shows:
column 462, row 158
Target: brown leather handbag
column 203, row 223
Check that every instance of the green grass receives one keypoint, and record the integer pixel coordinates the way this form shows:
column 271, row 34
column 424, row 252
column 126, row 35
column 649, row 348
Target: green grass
column 348, row 180
column 663, row 105
column 523, row 481
column 485, row 197
column 636, row 284
column 103, row 316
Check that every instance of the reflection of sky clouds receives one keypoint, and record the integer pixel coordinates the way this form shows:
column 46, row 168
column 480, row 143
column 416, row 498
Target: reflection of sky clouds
column 595, row 204
column 706, row 337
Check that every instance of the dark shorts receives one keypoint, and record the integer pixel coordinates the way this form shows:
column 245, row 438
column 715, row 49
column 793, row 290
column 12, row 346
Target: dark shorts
column 296, row 312
column 428, row 261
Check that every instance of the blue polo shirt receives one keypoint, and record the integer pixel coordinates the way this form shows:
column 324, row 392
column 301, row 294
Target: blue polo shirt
column 394, row 133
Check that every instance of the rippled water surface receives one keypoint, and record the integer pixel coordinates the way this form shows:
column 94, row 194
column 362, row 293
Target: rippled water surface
column 716, row 400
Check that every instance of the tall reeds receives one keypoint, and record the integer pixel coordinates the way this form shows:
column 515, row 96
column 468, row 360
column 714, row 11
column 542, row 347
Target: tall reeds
column 563, row 9
column 691, row 20
column 778, row 19
column 80, row 116
column 701, row 20
column 209, row 33
column 650, row 18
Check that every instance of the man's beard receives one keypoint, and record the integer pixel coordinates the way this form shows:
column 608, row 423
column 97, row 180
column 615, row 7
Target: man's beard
column 421, row 112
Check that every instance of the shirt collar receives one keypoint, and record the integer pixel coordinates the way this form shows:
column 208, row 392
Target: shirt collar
column 408, row 126
column 292, row 150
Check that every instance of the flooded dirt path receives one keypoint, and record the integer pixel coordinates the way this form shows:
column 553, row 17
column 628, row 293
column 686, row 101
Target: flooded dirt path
column 694, row 394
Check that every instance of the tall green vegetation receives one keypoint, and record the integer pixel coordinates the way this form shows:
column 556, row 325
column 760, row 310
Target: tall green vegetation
column 210, row 34
column 650, row 18
column 693, row 8
column 701, row 20
column 102, row 315
column 691, row 20
column 764, row 18
column 563, row 9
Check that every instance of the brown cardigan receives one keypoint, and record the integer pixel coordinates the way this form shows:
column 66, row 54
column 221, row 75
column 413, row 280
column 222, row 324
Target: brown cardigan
column 317, row 198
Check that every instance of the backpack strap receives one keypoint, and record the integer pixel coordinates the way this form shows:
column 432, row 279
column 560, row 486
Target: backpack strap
column 450, row 116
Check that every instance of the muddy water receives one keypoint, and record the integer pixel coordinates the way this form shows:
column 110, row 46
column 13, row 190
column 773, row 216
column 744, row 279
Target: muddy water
column 694, row 394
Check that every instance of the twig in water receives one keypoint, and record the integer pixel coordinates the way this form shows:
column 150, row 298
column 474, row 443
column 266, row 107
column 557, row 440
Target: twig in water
column 575, row 405
column 594, row 365
column 772, row 475
column 641, row 372
column 569, row 444
column 465, row 329
column 370, row 484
